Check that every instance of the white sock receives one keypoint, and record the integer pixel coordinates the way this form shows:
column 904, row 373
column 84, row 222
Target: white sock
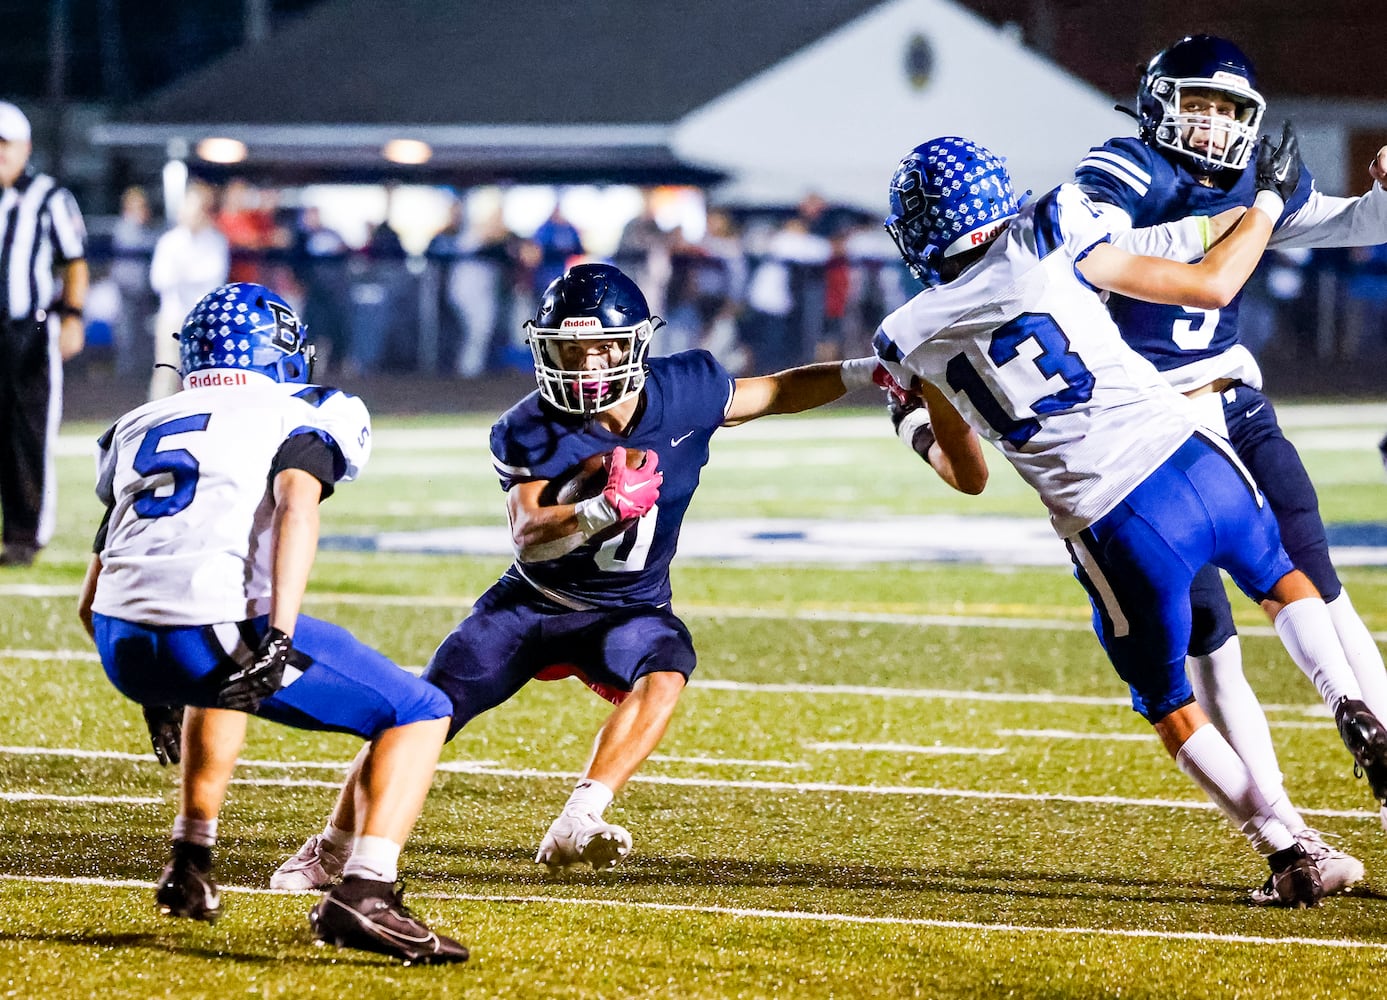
column 1222, row 690
column 1308, row 634
column 195, row 831
column 1210, row 761
column 375, row 858
column 336, row 840
column 1363, row 655
column 589, row 797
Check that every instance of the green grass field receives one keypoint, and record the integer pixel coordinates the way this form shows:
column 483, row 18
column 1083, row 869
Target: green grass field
column 886, row 780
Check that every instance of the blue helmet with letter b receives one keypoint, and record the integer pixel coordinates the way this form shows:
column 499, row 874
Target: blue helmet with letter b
column 1212, row 67
column 245, row 327
column 948, row 196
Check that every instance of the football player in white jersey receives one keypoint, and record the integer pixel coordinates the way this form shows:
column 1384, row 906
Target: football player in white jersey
column 193, row 598
column 1011, row 338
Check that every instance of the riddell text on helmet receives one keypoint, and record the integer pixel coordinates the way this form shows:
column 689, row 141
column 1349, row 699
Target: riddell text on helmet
column 199, row 380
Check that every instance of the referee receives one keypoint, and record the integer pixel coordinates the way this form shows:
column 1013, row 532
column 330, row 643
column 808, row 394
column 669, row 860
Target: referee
column 40, row 327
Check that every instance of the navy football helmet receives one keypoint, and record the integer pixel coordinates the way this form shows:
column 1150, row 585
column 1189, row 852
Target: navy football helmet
column 1204, row 63
column 248, row 328
column 590, row 304
column 948, row 196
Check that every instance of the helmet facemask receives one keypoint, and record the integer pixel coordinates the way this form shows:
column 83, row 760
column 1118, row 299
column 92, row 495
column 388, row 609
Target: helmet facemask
column 561, row 363
column 1236, row 135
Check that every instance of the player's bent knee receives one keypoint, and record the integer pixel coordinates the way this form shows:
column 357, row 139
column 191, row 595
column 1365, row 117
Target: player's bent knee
column 1294, row 586
column 663, row 685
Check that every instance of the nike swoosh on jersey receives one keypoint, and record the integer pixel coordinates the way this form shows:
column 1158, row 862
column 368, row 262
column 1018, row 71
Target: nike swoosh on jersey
column 674, row 442
column 1255, row 410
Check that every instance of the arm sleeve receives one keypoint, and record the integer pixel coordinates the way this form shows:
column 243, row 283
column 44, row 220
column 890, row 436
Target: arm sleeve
column 105, row 483
column 99, row 542
column 309, row 452
column 1325, row 221
column 1184, row 240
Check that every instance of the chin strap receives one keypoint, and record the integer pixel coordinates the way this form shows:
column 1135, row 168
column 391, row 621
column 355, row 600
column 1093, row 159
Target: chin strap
column 1126, row 111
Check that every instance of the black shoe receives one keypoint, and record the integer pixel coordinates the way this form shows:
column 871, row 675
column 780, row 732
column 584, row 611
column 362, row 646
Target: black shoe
column 1294, row 881
column 363, row 913
column 1366, row 739
column 186, row 887
column 18, row 555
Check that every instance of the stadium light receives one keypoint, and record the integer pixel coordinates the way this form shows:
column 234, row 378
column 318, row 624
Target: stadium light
column 218, row 149
column 408, row 151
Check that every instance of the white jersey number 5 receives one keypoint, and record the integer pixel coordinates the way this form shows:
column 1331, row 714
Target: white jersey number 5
column 1196, row 332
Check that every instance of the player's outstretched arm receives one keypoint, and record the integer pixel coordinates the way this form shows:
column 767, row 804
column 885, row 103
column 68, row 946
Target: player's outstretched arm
column 1216, row 280
column 796, row 389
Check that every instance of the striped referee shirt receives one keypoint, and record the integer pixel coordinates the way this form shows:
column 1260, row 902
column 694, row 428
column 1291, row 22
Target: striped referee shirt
column 40, row 226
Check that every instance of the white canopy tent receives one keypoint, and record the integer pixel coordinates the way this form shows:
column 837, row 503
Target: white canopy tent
column 835, row 117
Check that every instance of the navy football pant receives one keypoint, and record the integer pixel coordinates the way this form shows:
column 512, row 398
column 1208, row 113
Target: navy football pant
column 1276, row 466
column 1137, row 563
column 348, row 687
column 513, row 633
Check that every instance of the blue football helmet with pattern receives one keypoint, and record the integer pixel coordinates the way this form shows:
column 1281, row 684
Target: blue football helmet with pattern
column 1208, row 64
column 948, row 196
column 246, row 327
column 588, row 306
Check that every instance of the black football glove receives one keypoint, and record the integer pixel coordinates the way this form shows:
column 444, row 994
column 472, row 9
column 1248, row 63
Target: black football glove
column 165, row 724
column 1278, row 167
column 245, row 689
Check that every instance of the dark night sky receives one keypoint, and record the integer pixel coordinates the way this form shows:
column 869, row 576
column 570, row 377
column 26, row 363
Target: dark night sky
column 1328, row 49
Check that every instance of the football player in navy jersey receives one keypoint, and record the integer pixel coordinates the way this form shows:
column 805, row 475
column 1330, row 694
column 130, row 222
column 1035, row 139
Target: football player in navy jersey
column 1199, row 111
column 1011, row 336
column 589, row 591
column 193, row 598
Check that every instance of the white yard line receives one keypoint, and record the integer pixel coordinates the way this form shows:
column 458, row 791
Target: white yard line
column 750, row 913
column 827, row 690
column 82, row 800
column 904, row 749
column 488, row 769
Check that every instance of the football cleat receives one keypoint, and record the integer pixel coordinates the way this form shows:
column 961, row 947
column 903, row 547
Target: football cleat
column 370, row 915
column 577, row 838
column 314, row 866
column 1339, row 871
column 1366, row 739
column 186, row 887
column 1296, row 884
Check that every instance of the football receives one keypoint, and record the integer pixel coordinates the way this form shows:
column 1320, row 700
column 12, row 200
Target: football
column 586, row 479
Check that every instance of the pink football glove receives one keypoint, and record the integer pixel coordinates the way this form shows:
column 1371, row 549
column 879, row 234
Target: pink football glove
column 632, row 492
column 903, row 395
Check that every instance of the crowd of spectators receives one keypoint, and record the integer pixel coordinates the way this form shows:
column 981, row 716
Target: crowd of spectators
column 761, row 290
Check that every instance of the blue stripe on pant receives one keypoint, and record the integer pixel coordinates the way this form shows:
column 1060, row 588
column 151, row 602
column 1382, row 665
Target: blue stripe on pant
column 348, row 687
column 1137, row 563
